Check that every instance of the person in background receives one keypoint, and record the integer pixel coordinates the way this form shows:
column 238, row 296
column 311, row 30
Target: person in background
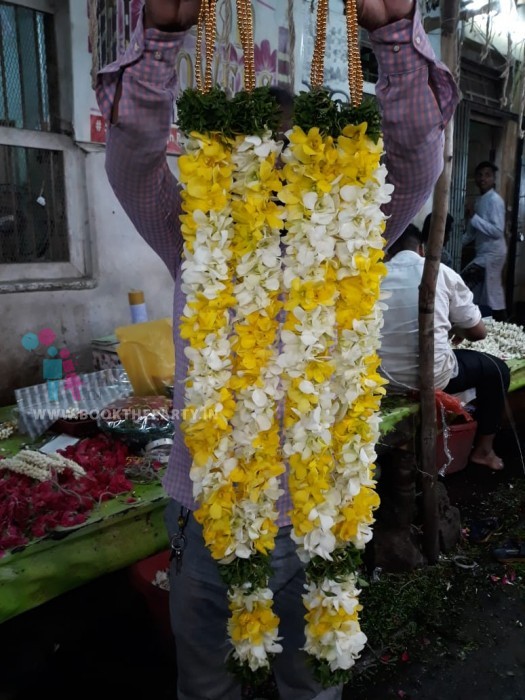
column 446, row 258
column 418, row 96
column 486, row 228
column 455, row 316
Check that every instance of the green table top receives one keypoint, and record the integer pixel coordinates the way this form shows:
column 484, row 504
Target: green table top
column 400, row 407
column 118, row 533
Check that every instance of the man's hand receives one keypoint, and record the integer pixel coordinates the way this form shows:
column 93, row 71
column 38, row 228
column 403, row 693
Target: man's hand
column 171, row 15
column 374, row 14
column 179, row 15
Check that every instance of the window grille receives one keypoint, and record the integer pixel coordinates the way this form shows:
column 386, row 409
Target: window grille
column 116, row 21
column 368, row 58
column 28, row 88
column 33, row 221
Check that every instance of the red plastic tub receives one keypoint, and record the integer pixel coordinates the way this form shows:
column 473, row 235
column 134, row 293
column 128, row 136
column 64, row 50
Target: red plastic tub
column 142, row 574
column 459, row 442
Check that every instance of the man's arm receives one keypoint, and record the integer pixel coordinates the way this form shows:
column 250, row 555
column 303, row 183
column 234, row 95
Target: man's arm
column 417, row 95
column 464, row 315
column 136, row 96
column 477, row 332
column 469, row 235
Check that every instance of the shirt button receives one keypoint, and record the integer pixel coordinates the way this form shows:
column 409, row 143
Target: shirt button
column 418, row 40
column 396, row 48
column 157, row 55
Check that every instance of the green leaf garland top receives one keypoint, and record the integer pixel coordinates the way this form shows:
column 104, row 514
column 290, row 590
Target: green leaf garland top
column 255, row 112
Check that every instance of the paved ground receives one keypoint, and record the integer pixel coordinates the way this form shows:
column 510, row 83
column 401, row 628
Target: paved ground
column 99, row 641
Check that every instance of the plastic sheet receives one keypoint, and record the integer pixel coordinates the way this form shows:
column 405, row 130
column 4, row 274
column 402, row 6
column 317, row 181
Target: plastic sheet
column 138, row 420
column 147, row 353
column 42, row 405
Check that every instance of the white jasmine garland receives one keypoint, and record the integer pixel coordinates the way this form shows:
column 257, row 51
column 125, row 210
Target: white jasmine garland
column 504, row 340
column 40, row 466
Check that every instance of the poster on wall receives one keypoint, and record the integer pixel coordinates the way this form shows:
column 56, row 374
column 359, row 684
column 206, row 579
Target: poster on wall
column 117, row 19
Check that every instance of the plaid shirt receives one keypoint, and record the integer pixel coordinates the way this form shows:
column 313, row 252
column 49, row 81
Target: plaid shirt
column 417, row 96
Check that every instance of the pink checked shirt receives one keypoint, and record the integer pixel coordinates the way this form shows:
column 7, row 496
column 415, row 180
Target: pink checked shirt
column 417, row 96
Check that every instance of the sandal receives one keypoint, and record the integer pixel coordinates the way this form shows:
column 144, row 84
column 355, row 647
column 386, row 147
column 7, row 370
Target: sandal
column 512, row 551
column 481, row 530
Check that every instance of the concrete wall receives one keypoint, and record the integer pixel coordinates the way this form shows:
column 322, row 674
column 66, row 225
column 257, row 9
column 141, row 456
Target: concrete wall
column 124, row 261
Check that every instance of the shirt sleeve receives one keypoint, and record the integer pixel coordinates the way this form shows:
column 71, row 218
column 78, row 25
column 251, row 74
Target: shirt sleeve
column 136, row 161
column 469, row 235
column 417, row 96
column 463, row 313
column 492, row 220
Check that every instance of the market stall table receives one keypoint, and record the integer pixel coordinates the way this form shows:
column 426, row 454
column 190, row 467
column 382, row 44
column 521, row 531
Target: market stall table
column 119, row 533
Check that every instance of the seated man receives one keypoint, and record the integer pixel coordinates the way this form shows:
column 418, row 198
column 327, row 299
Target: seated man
column 455, row 315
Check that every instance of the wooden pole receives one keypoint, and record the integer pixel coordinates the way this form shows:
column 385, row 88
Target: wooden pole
column 427, row 293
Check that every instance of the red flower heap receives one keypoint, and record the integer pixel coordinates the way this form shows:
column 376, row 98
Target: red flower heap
column 31, row 509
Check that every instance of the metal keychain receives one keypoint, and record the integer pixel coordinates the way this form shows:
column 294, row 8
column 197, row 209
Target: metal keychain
column 178, row 541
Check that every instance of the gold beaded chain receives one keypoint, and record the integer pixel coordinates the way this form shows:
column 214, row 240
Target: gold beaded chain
column 317, row 69
column 245, row 23
column 355, row 71
column 206, row 27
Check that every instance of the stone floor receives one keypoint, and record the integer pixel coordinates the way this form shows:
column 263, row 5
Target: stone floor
column 100, row 641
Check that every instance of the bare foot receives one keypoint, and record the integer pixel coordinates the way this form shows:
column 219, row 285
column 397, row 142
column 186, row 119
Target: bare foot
column 487, row 459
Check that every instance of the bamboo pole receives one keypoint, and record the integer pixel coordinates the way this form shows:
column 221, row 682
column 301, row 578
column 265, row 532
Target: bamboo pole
column 427, row 293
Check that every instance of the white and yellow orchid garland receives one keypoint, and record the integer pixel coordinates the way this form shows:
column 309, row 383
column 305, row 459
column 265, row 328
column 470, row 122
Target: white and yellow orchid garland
column 332, row 273
column 322, row 360
column 231, row 275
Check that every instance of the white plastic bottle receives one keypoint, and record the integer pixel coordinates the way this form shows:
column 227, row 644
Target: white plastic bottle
column 137, row 306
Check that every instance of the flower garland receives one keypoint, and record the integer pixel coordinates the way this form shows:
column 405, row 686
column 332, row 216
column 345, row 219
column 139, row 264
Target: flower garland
column 331, row 190
column 256, row 250
column 207, row 228
column 231, row 229
column 333, row 269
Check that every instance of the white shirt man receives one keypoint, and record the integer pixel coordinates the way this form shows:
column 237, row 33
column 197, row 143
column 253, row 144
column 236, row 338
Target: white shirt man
column 455, row 370
column 454, row 306
column 486, row 228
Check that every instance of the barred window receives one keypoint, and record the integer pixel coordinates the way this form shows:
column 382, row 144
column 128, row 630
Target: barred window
column 33, row 206
column 114, row 28
column 33, row 223
column 28, row 87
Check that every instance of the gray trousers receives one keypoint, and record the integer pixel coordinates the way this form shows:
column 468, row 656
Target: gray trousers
column 199, row 612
